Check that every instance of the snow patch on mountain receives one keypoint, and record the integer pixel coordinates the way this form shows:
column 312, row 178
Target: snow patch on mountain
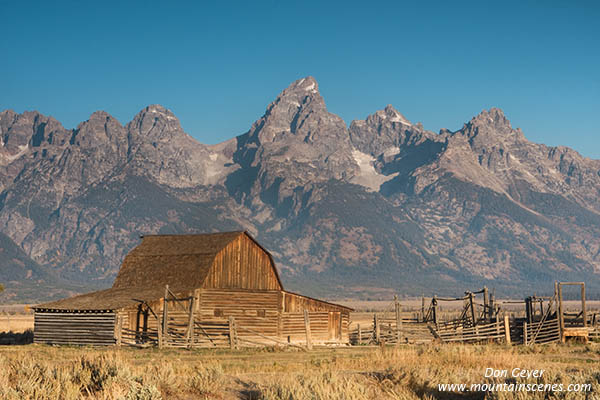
column 368, row 175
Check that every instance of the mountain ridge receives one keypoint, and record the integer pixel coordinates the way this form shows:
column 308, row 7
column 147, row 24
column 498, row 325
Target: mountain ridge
column 380, row 203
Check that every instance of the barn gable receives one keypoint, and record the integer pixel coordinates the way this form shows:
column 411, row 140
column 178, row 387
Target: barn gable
column 243, row 264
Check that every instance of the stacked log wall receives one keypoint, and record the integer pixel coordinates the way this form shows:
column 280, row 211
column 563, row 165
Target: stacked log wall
column 74, row 328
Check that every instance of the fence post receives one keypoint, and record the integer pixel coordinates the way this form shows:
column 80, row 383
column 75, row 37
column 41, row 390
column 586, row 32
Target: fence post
column 507, row 329
column 561, row 317
column 120, row 329
column 159, row 331
column 359, row 335
column 307, row 329
column 423, row 308
column 165, row 321
column 232, row 334
column 434, row 310
column 398, row 308
column 376, row 329
column 487, row 316
column 190, row 329
column 583, row 310
column 525, row 333
column 472, row 308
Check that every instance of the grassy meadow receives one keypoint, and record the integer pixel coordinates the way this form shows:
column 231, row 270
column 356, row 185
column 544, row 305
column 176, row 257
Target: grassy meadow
column 359, row 372
column 404, row 372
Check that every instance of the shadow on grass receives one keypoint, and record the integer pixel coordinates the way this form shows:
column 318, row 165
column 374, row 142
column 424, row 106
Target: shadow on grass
column 248, row 391
column 8, row 338
column 422, row 390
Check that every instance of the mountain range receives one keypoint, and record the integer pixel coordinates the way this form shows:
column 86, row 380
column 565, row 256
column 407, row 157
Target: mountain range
column 380, row 207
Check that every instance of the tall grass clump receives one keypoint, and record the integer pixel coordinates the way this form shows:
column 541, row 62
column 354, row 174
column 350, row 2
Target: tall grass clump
column 206, row 381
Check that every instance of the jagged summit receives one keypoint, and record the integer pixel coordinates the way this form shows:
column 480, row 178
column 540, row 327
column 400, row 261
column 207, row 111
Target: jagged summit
column 100, row 115
column 300, row 94
column 391, row 114
column 307, row 84
column 156, row 109
column 489, row 127
column 299, row 113
column 155, row 121
column 493, row 116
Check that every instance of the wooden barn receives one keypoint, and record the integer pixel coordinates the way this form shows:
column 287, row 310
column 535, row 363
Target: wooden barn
column 203, row 290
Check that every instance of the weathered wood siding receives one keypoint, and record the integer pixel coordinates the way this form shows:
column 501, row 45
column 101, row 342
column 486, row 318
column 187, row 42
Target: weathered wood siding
column 75, row 328
column 258, row 317
column 321, row 330
column 242, row 264
column 224, row 303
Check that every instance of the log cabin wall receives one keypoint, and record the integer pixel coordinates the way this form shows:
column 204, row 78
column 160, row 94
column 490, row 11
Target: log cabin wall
column 328, row 322
column 243, row 264
column 325, row 327
column 258, row 316
column 225, row 303
column 293, row 327
column 95, row 328
column 255, row 311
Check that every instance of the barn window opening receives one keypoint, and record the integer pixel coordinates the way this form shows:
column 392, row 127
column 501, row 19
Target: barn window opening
column 260, row 313
column 218, row 312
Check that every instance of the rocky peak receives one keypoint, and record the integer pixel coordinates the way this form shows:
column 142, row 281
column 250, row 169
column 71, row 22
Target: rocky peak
column 100, row 129
column 295, row 142
column 308, row 84
column 155, row 122
column 493, row 117
column 388, row 115
column 489, row 127
column 386, row 131
column 19, row 133
column 299, row 111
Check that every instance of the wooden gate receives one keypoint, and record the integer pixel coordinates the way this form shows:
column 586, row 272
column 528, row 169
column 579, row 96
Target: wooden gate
column 547, row 331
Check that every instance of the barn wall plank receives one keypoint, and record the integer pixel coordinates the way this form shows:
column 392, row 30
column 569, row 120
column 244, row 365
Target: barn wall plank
column 242, row 264
column 73, row 328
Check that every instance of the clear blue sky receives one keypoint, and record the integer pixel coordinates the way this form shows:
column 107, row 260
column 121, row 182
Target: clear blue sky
column 217, row 66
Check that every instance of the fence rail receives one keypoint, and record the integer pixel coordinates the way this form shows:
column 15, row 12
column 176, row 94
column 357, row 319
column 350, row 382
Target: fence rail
column 541, row 332
column 495, row 331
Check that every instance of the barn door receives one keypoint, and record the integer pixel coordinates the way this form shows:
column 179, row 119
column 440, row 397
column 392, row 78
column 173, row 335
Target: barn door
column 335, row 319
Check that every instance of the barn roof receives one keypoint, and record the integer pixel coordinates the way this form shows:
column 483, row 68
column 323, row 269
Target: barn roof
column 181, row 261
column 109, row 299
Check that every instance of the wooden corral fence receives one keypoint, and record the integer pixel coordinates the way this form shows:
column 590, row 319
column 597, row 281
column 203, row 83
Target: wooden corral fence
column 498, row 331
column 183, row 324
column 394, row 327
column 545, row 321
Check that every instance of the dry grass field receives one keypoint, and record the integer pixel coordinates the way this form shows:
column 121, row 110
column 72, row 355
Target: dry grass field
column 405, row 372
column 360, row 372
column 15, row 323
column 15, row 318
